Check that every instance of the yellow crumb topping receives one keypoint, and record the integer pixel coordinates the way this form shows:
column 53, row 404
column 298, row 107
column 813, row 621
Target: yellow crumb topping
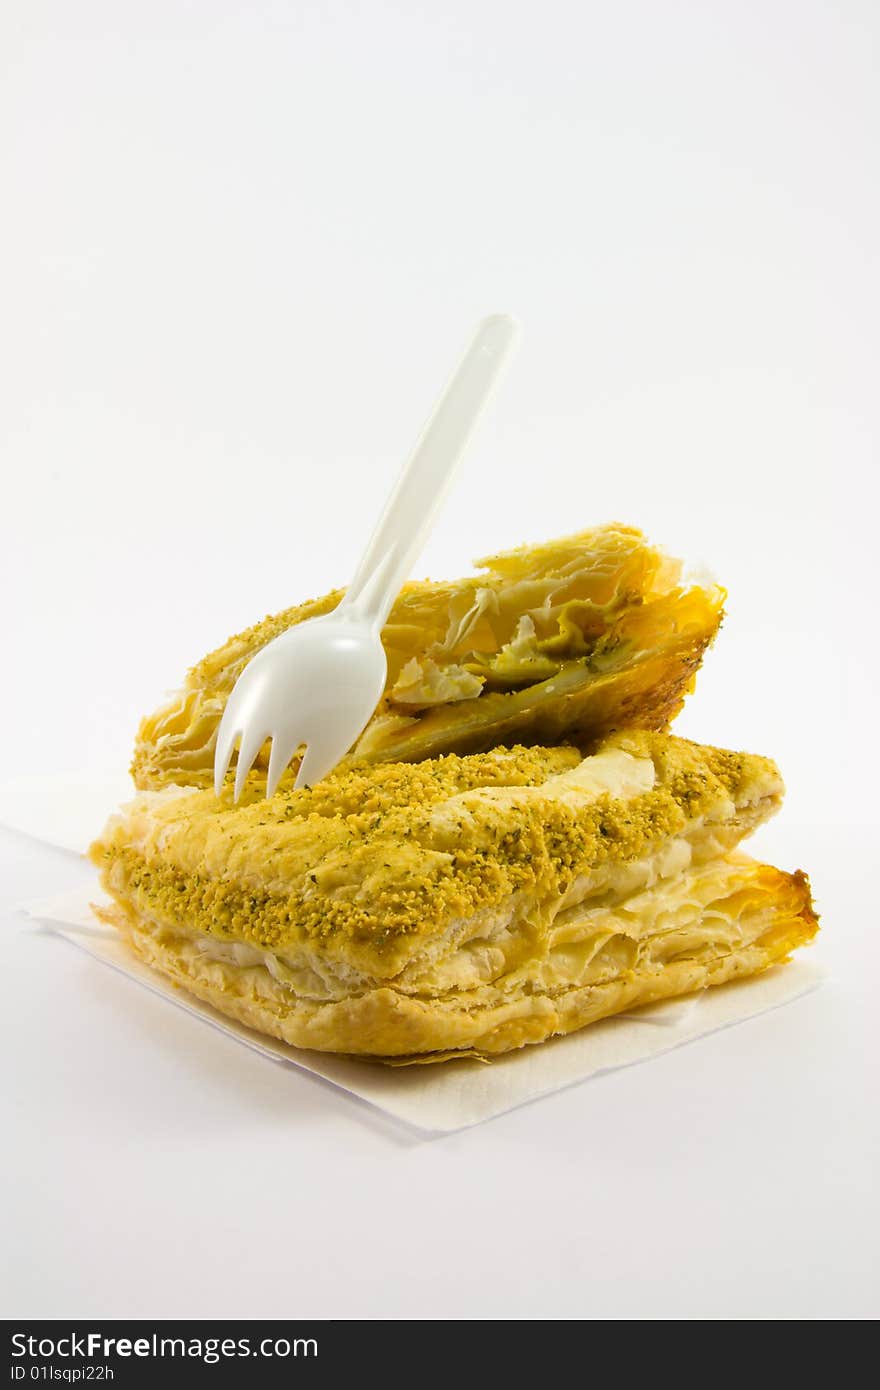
column 378, row 860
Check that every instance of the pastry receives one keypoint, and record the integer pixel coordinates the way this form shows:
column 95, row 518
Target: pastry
column 461, row 905
column 549, row 643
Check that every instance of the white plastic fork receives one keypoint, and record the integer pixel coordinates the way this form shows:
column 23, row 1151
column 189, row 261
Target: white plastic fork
column 319, row 682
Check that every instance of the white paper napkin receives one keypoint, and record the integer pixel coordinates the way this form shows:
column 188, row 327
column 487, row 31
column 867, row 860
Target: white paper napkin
column 439, row 1098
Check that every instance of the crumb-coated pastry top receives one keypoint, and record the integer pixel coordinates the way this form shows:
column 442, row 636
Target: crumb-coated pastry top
column 382, row 864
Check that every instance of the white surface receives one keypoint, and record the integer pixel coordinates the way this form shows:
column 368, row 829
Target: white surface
column 65, row 810
column 443, row 1099
column 218, row 212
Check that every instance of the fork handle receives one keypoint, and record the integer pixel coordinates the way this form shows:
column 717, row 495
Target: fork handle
column 421, row 488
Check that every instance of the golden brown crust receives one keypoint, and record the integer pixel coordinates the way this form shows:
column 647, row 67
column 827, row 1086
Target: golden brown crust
column 472, row 903
column 563, row 641
column 384, row 1023
column 467, row 881
column 378, row 864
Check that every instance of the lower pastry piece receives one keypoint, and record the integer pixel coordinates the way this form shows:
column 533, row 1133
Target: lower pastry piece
column 462, row 904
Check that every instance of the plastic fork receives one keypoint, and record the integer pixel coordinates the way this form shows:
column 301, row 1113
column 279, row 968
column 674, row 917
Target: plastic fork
column 319, row 682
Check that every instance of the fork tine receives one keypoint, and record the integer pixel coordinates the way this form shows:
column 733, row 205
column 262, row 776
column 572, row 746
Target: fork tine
column 315, row 764
column 282, row 752
column 226, row 736
column 252, row 741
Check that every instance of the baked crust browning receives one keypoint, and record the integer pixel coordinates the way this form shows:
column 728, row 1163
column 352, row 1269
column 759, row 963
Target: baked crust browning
column 514, row 849
column 385, row 1023
column 559, row 642
column 375, row 865
column 467, row 903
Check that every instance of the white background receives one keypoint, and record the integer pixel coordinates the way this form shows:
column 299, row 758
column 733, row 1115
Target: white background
column 241, row 247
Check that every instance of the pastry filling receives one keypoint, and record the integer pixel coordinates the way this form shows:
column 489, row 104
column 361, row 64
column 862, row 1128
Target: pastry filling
column 537, row 645
column 478, row 901
column 703, row 915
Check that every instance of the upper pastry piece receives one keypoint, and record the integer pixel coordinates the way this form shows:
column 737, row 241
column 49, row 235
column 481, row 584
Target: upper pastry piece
column 562, row 641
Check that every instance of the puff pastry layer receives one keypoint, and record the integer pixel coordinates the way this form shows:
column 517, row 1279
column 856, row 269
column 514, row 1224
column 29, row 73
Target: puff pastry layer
column 463, row 904
column 563, row 641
